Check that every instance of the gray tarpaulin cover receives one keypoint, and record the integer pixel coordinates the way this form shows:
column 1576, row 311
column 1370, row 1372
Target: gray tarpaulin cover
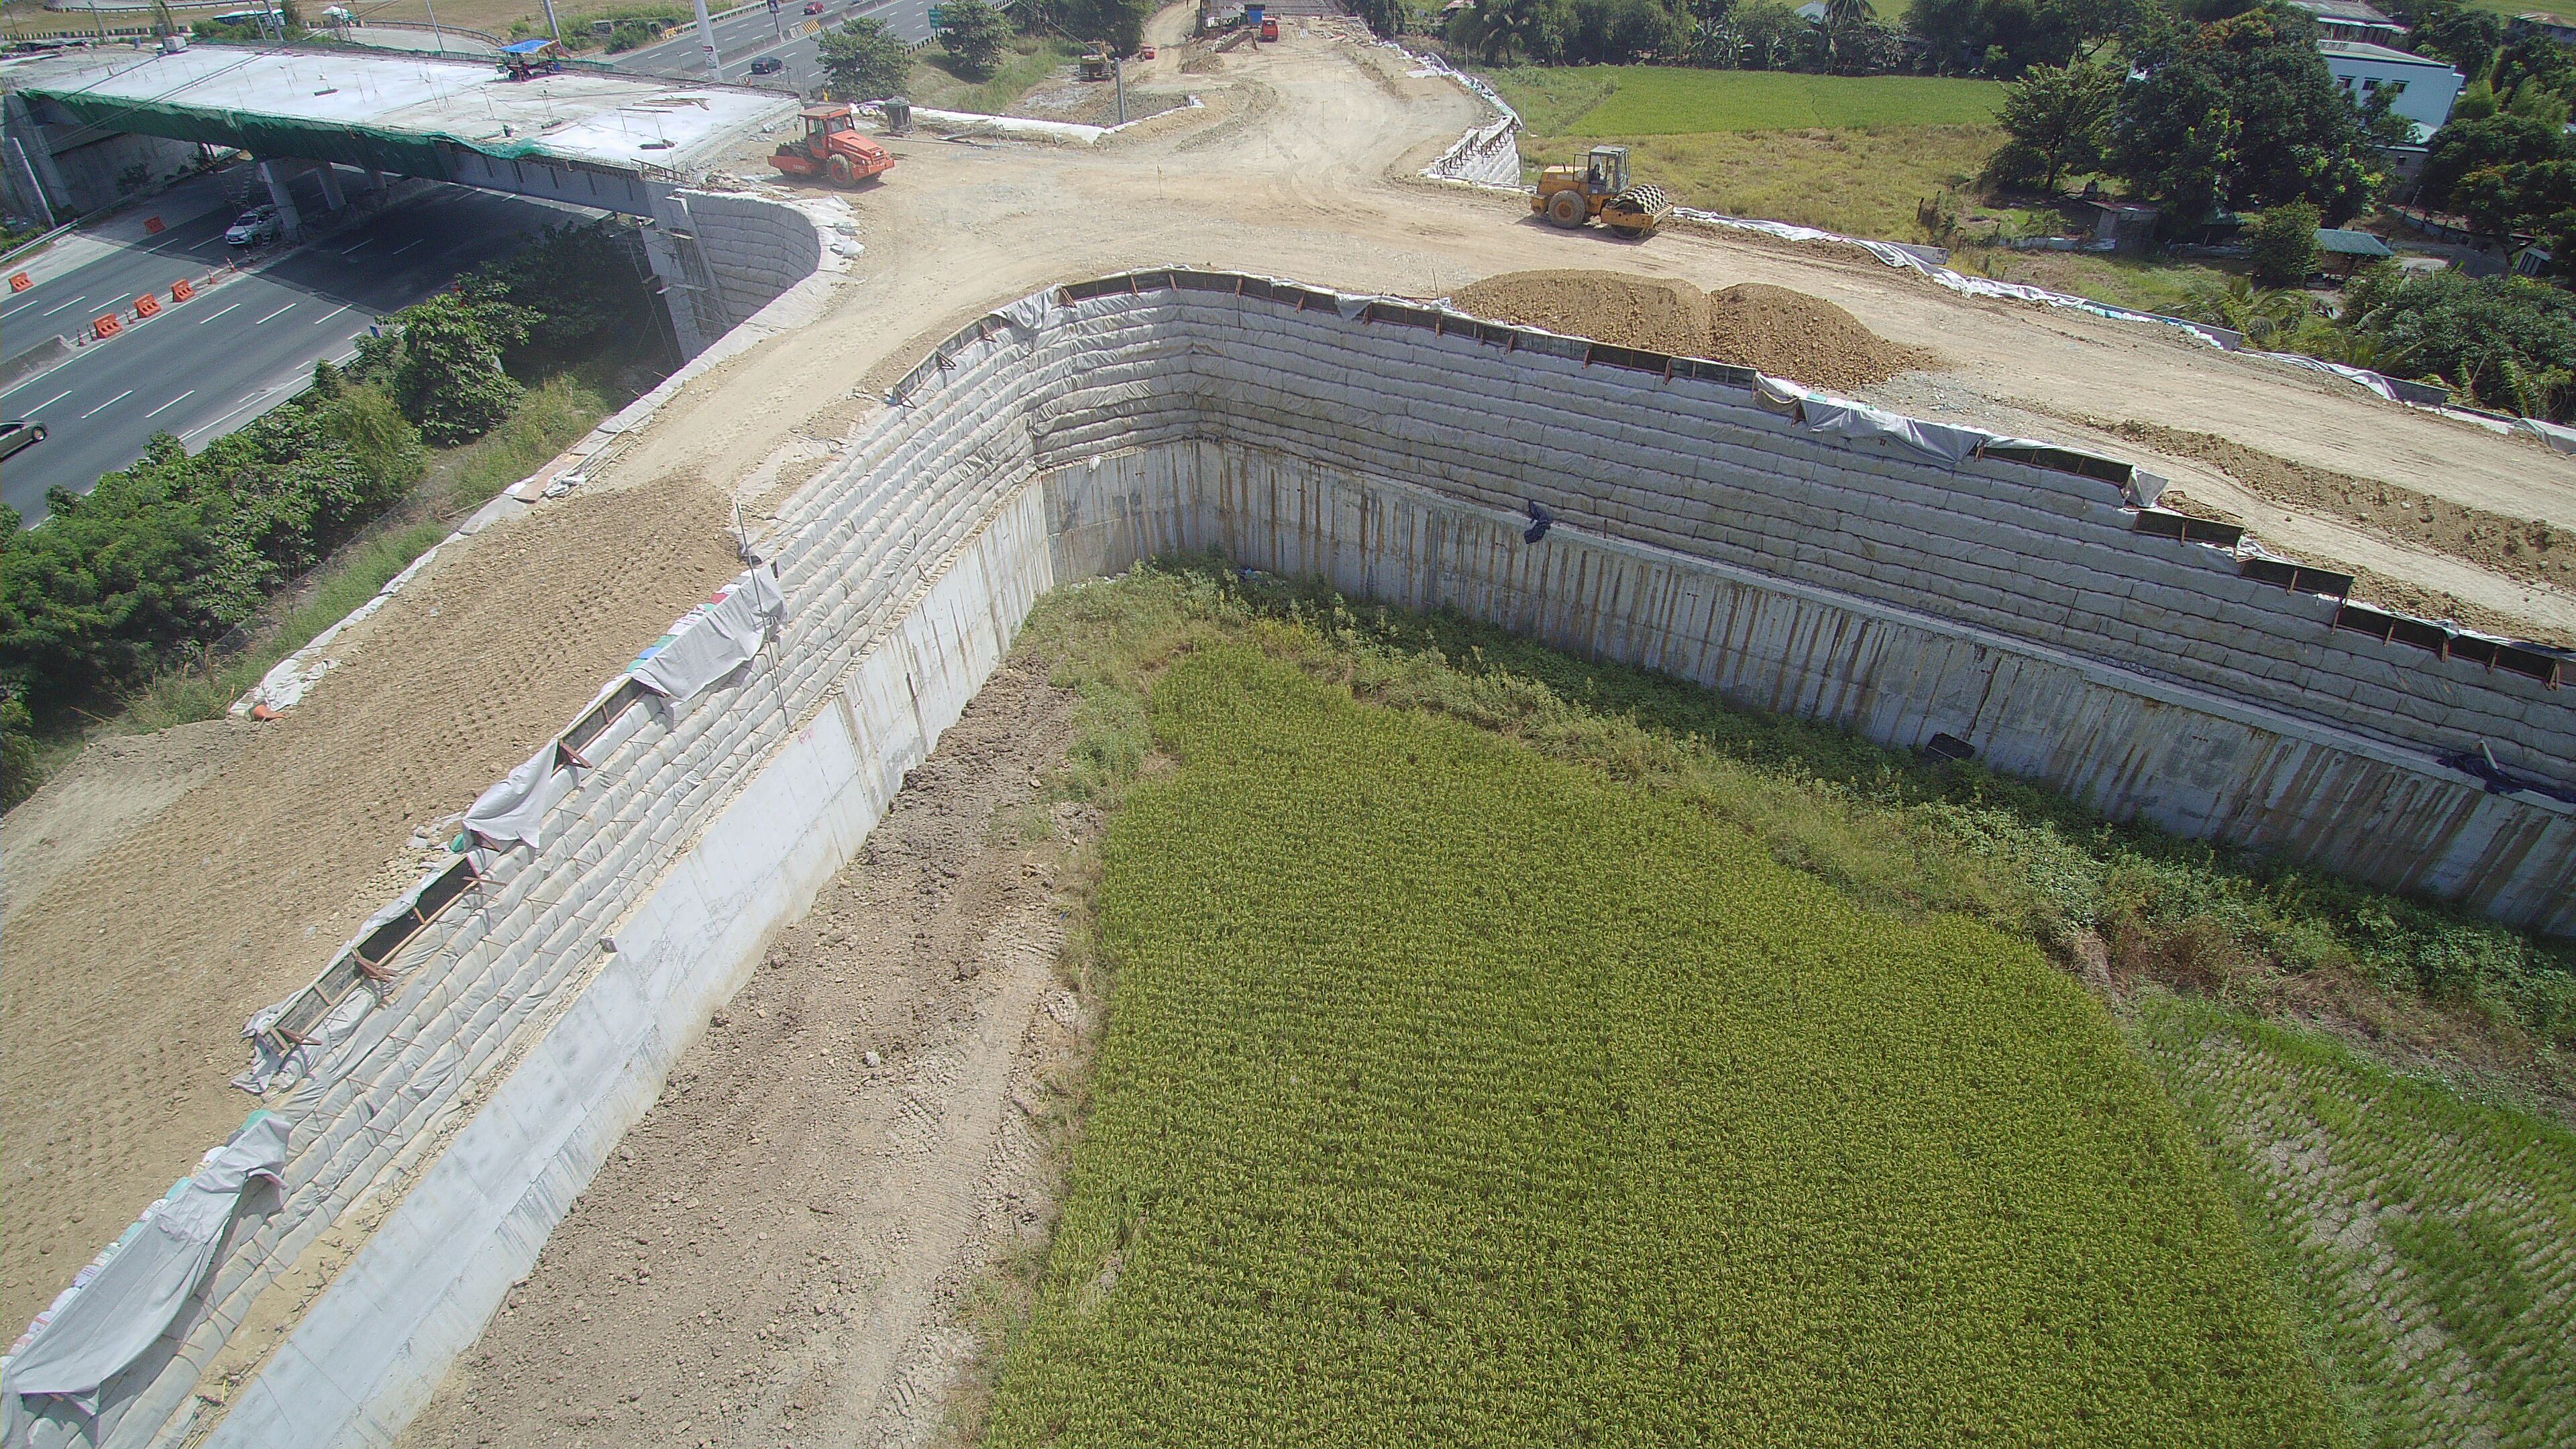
column 716, row 637
column 109, row 1322
column 1858, row 421
column 1030, row 312
column 515, row 809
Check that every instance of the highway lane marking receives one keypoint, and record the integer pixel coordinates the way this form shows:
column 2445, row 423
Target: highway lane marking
column 172, row 403
column 280, row 312
column 111, row 402
column 327, row 316
column 237, row 407
column 353, row 251
column 406, row 246
column 202, row 321
column 49, row 402
column 49, row 311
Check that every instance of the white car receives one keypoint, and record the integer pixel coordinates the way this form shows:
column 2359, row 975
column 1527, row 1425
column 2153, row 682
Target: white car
column 259, row 224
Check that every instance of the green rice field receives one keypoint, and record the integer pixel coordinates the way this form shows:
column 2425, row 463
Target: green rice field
column 1456, row 1094
column 1656, row 100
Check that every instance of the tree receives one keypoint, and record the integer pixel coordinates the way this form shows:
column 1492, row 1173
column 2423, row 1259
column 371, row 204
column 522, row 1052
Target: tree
column 2505, row 341
column 2243, row 114
column 2466, row 39
column 2058, row 117
column 2283, row 244
column 974, row 32
column 2003, row 38
column 1384, row 18
column 450, row 380
column 2494, row 142
column 1769, row 35
column 862, row 60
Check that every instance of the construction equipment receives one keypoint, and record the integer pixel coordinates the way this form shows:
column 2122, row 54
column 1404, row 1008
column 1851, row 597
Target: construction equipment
column 1095, row 62
column 832, row 147
column 1569, row 196
column 528, row 59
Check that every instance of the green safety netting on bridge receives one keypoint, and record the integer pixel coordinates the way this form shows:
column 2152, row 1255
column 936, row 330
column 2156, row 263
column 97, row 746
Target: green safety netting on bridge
column 409, row 152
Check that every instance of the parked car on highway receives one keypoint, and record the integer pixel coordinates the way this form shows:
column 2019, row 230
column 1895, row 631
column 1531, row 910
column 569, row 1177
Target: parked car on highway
column 14, row 436
column 259, row 224
column 768, row 65
column 813, row 7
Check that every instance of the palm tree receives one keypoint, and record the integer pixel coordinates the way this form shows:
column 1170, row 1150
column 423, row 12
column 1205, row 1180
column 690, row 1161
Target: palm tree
column 1840, row 17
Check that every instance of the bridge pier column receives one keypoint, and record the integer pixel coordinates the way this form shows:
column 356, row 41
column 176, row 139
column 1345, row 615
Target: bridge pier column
column 289, row 224
column 376, row 181
column 332, row 196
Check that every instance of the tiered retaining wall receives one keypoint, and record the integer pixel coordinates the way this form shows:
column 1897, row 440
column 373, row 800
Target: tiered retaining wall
column 1700, row 532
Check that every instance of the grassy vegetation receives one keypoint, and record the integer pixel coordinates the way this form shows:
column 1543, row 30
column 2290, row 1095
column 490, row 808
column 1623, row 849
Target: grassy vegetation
column 1027, row 62
column 1890, row 838
column 2161, row 284
column 206, row 688
column 1853, row 154
column 1454, row 1094
column 2424, row 1238
column 1859, row 183
column 552, row 416
column 1653, row 100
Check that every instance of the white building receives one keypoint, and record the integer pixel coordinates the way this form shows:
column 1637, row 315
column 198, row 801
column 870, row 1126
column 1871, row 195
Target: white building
column 2424, row 88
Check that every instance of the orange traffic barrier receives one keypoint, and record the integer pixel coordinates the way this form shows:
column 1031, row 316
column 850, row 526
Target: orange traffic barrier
column 180, row 291
column 146, row 305
column 107, row 326
column 152, row 224
column 20, row 281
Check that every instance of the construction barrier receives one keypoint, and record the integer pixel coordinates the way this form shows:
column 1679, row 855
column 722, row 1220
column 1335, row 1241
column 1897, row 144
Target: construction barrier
column 145, row 305
column 152, row 225
column 181, row 291
column 20, row 281
column 106, row 326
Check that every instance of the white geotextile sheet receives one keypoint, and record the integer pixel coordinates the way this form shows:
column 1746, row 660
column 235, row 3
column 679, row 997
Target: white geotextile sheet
column 514, row 809
column 715, row 638
column 108, row 1322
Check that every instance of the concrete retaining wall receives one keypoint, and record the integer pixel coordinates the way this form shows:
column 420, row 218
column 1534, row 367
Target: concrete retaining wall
column 1702, row 533
column 723, row 256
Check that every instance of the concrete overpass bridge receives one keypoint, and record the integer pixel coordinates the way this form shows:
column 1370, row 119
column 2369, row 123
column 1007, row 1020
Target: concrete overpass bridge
column 607, row 140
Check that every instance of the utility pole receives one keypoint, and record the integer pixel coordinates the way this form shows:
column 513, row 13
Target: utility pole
column 553, row 24
column 436, row 34
column 776, row 24
column 707, row 40
column 101, row 24
column 1118, row 73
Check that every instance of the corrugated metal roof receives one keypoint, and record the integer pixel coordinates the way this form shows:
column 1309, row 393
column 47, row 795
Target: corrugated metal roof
column 2351, row 243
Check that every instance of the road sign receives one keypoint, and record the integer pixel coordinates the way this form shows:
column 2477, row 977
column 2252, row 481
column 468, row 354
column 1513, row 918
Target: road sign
column 936, row 18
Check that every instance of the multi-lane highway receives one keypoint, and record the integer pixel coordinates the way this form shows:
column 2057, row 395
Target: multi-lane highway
column 204, row 367
column 743, row 39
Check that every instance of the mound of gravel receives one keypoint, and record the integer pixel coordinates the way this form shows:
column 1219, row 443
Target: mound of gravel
column 1778, row 331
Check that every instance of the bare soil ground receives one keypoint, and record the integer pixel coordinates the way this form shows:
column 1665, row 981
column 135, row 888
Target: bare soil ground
column 779, row 1251
column 129, row 975
column 117, row 785
column 131, row 971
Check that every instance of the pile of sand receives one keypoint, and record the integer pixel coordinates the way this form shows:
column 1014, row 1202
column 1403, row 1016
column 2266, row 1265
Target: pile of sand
column 1784, row 333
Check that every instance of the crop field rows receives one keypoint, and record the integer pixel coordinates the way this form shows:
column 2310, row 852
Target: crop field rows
column 2430, row 1240
column 1453, row 1094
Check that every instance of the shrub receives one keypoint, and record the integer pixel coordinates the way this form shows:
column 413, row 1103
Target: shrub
column 2284, row 244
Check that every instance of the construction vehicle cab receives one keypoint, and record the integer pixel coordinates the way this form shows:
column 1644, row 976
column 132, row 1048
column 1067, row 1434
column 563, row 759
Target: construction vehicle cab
column 832, row 147
column 1569, row 196
column 1095, row 62
column 523, row 59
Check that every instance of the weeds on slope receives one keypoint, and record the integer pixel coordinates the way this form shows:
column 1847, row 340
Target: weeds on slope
column 1895, row 830
column 2429, row 1241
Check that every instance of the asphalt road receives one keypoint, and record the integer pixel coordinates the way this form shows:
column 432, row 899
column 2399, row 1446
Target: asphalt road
column 746, row 38
column 207, row 366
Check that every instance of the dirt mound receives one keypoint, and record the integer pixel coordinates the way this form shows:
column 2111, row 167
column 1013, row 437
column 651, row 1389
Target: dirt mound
column 1781, row 332
column 1790, row 334
column 1626, row 311
column 130, row 972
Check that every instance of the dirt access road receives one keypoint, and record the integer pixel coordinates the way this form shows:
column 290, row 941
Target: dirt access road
column 129, row 974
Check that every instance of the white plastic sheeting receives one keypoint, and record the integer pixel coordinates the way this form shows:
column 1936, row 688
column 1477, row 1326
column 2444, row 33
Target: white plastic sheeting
column 100, row 1326
column 714, row 639
column 514, row 810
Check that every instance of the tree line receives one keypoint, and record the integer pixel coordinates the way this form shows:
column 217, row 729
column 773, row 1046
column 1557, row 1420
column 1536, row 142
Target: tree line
column 164, row 559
